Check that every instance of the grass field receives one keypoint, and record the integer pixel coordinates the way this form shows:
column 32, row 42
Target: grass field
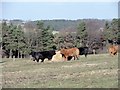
column 95, row 71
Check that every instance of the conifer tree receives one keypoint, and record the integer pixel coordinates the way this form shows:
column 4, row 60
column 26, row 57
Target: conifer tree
column 81, row 35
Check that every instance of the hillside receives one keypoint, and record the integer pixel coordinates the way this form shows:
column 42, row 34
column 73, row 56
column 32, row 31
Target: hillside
column 61, row 24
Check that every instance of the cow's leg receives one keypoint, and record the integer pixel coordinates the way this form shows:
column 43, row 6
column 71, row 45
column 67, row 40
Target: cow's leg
column 85, row 54
column 37, row 60
column 50, row 58
column 33, row 59
column 112, row 54
column 77, row 57
column 65, row 58
column 115, row 53
column 42, row 60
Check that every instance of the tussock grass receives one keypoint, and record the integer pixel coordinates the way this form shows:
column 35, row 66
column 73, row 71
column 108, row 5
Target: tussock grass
column 95, row 71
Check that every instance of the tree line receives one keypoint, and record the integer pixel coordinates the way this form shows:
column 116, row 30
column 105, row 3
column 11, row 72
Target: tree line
column 19, row 43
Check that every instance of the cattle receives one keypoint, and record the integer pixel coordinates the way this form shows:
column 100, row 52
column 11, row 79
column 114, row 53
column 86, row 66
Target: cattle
column 83, row 51
column 71, row 52
column 110, row 41
column 57, row 56
column 42, row 55
column 114, row 41
column 113, row 50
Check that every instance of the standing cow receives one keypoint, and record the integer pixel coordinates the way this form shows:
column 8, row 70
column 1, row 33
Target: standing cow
column 42, row 55
column 71, row 52
column 83, row 51
column 113, row 50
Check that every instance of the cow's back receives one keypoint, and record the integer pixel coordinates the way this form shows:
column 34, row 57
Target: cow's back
column 48, row 54
column 83, row 50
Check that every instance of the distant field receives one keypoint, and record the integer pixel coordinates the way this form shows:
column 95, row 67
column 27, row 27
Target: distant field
column 95, row 71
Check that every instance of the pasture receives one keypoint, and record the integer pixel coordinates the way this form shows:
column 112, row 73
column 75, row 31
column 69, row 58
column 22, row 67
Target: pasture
column 95, row 71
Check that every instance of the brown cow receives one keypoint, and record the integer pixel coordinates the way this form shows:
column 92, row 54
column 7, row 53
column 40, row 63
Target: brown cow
column 113, row 50
column 71, row 52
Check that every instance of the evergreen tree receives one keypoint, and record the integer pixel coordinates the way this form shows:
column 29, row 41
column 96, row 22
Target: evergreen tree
column 47, row 38
column 13, row 38
column 9, row 40
column 30, row 38
column 59, row 41
column 38, row 41
column 118, row 30
column 44, row 37
column 114, row 27
column 111, row 31
column 4, row 34
column 21, row 43
column 81, row 35
column 107, row 31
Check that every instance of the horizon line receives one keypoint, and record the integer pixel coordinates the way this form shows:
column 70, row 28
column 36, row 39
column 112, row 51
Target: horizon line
column 60, row 19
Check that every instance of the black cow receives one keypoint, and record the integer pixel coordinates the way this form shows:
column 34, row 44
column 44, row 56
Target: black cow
column 83, row 51
column 42, row 55
column 116, row 41
column 110, row 41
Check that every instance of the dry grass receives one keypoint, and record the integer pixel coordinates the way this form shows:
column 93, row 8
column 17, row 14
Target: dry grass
column 95, row 71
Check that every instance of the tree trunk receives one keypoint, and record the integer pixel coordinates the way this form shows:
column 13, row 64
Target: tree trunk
column 21, row 54
column 10, row 53
column 18, row 54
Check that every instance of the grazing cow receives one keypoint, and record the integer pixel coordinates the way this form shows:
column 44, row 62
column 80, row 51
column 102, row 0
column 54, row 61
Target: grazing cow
column 115, row 42
column 110, row 41
column 113, row 50
column 42, row 55
column 71, row 52
column 83, row 51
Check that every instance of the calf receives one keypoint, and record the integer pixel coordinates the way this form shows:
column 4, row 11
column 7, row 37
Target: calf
column 42, row 55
